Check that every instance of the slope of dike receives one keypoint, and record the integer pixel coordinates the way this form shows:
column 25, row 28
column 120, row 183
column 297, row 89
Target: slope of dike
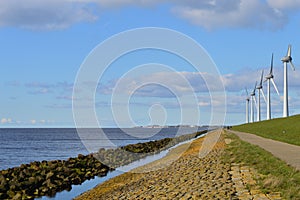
column 188, row 177
column 280, row 129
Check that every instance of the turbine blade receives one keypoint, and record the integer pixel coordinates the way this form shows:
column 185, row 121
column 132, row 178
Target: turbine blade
column 271, row 71
column 289, row 50
column 275, row 86
column 262, row 76
column 255, row 87
column 246, row 91
column 262, row 92
column 292, row 66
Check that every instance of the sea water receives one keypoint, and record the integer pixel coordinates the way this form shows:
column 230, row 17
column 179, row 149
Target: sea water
column 24, row 145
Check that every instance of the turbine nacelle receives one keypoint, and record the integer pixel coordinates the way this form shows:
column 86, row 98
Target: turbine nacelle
column 287, row 59
column 269, row 76
column 253, row 91
column 247, row 98
column 260, row 86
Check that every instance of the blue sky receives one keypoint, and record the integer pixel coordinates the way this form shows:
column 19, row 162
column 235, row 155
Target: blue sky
column 44, row 43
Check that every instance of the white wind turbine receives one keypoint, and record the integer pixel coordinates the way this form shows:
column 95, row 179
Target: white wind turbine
column 287, row 59
column 247, row 106
column 269, row 79
column 252, row 102
column 260, row 91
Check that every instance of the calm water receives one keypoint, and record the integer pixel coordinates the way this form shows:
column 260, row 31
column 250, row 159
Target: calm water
column 20, row 145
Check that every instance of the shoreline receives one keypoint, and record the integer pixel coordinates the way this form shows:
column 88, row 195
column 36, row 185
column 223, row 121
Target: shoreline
column 186, row 176
column 112, row 174
column 47, row 178
column 60, row 144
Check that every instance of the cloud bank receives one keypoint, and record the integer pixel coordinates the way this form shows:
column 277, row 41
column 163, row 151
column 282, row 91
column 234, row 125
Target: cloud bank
column 210, row 14
column 44, row 15
column 232, row 82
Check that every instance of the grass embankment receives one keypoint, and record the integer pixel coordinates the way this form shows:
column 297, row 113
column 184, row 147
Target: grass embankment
column 275, row 175
column 281, row 129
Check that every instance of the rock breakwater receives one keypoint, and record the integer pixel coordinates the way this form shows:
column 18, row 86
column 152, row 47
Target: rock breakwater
column 127, row 154
column 46, row 178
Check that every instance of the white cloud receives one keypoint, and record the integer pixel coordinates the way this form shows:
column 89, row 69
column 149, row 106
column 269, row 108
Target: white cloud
column 59, row 106
column 195, row 80
column 240, row 80
column 43, row 15
column 121, row 3
column 40, row 91
column 284, row 4
column 13, row 122
column 204, row 103
column 211, row 14
column 177, row 84
column 237, row 13
column 248, row 77
column 46, row 88
column 232, row 82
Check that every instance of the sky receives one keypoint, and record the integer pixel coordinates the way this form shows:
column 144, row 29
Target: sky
column 44, row 44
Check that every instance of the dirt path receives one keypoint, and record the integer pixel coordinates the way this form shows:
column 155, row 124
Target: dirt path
column 286, row 152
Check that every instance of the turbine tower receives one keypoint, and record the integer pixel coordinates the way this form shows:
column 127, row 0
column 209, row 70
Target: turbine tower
column 252, row 95
column 269, row 79
column 287, row 59
column 247, row 106
column 260, row 91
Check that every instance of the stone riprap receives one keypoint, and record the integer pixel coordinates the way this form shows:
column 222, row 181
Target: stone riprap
column 46, row 178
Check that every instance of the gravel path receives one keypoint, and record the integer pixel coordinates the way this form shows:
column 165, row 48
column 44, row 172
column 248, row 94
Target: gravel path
column 286, row 152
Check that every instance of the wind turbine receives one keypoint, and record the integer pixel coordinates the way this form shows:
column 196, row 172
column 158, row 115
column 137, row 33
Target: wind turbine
column 269, row 79
column 247, row 106
column 287, row 59
column 252, row 95
column 260, row 91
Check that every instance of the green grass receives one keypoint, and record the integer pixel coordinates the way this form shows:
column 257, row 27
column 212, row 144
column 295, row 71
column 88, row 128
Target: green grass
column 282, row 129
column 276, row 175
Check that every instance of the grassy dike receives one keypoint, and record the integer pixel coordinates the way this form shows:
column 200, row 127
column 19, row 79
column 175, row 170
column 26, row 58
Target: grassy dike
column 273, row 175
column 281, row 129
